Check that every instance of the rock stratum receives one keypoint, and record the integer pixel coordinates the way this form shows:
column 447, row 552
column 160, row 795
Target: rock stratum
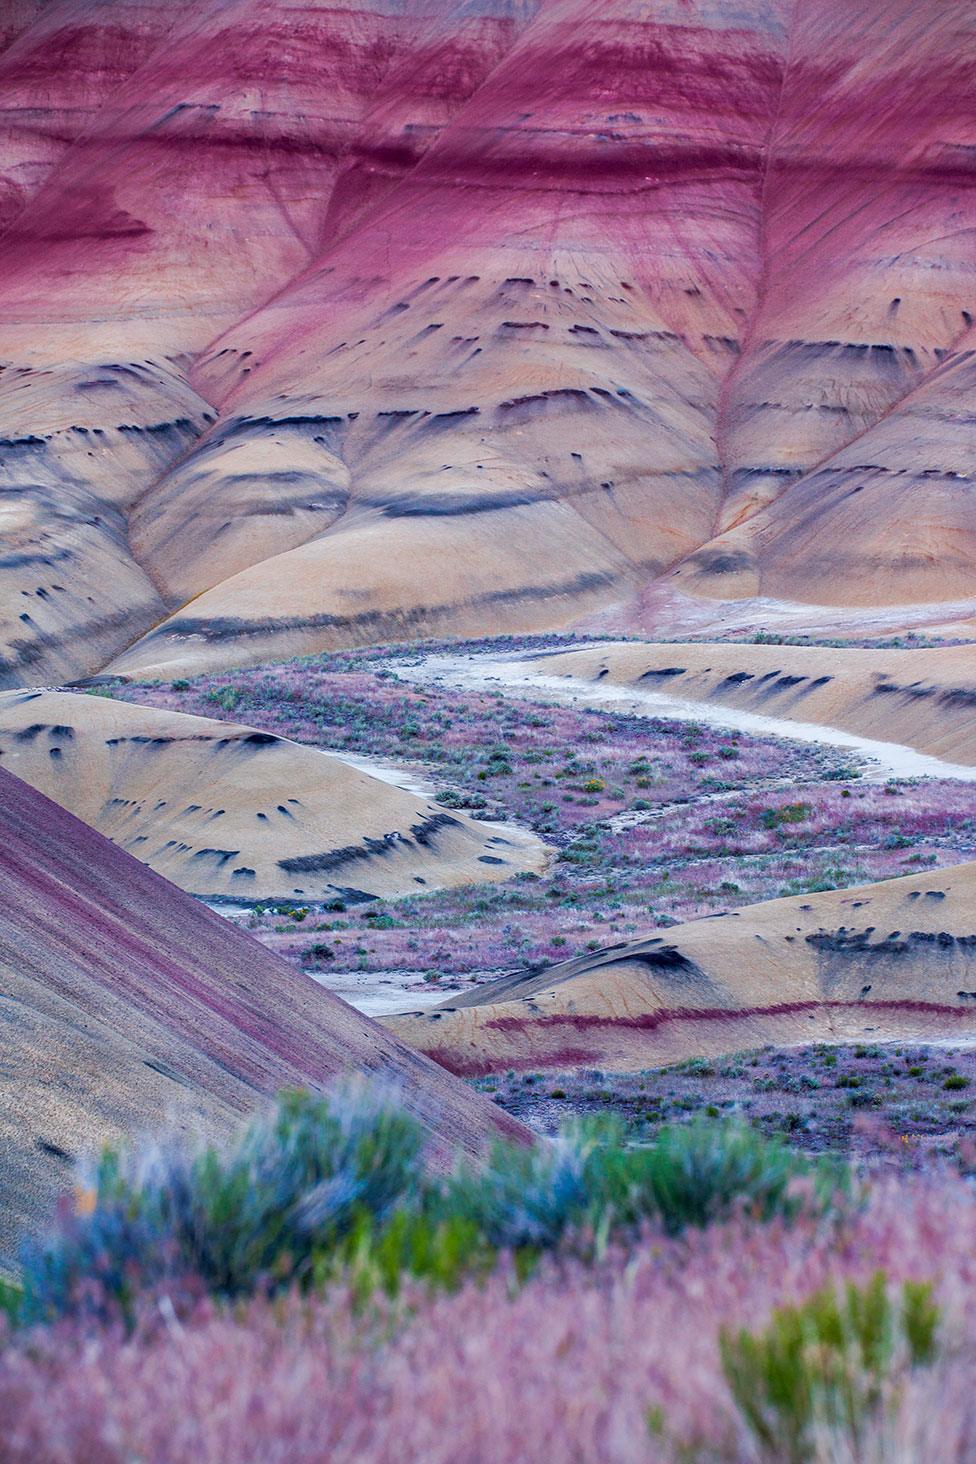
column 225, row 811
column 895, row 960
column 327, row 324
column 128, row 1005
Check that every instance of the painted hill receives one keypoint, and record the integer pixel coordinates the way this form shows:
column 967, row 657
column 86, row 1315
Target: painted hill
column 335, row 323
column 61, row 65
column 128, row 1005
column 223, row 810
column 924, row 699
column 890, row 960
column 203, row 186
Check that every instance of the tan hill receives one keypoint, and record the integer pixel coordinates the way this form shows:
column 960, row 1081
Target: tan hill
column 890, row 960
column 924, row 698
column 331, row 323
column 178, row 168
column 223, row 810
column 511, row 409
column 129, row 1008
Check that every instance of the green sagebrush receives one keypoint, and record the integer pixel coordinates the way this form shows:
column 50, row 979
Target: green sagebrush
column 826, row 1363
column 340, row 1185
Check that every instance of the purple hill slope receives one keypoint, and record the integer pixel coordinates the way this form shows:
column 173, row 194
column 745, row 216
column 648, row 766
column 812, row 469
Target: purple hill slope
column 126, row 1008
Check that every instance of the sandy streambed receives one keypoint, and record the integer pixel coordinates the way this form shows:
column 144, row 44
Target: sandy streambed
column 524, row 678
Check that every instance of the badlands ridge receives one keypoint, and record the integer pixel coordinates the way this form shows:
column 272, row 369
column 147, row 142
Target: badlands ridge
column 889, row 961
column 227, row 812
column 333, row 324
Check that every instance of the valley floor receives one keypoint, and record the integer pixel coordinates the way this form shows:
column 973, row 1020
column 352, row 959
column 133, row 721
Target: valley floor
column 653, row 816
column 903, row 1105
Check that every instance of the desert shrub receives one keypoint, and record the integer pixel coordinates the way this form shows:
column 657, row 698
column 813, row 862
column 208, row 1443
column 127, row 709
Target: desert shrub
column 788, row 813
column 525, row 1199
column 10, row 1299
column 824, row 1364
column 226, row 697
column 334, row 1184
column 316, row 953
column 377, row 1257
column 695, row 1067
column 590, row 1181
column 269, row 1213
column 703, row 1171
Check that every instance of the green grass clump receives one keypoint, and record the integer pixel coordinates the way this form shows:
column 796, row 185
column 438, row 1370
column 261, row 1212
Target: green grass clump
column 702, row 1171
column 824, row 1365
column 789, row 813
column 11, row 1299
column 228, row 698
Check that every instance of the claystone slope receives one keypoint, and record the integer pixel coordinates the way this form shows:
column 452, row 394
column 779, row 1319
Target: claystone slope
column 895, row 960
column 130, row 1008
column 327, row 324
column 225, row 811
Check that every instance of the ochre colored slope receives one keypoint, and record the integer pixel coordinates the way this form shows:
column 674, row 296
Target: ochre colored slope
column 223, row 810
column 205, row 182
column 506, row 374
column 128, row 1007
column 924, row 699
column 886, row 521
column 891, row 960
column 867, row 213
column 344, row 322
column 845, row 426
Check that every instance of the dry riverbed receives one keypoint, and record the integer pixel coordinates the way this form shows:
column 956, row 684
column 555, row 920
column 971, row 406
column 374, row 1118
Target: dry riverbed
column 653, row 817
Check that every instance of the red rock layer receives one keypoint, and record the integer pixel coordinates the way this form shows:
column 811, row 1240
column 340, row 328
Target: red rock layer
column 58, row 78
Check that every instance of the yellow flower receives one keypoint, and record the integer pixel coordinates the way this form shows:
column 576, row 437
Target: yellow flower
column 85, row 1200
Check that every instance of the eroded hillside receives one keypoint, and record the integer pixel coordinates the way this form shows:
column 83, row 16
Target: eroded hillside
column 331, row 324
